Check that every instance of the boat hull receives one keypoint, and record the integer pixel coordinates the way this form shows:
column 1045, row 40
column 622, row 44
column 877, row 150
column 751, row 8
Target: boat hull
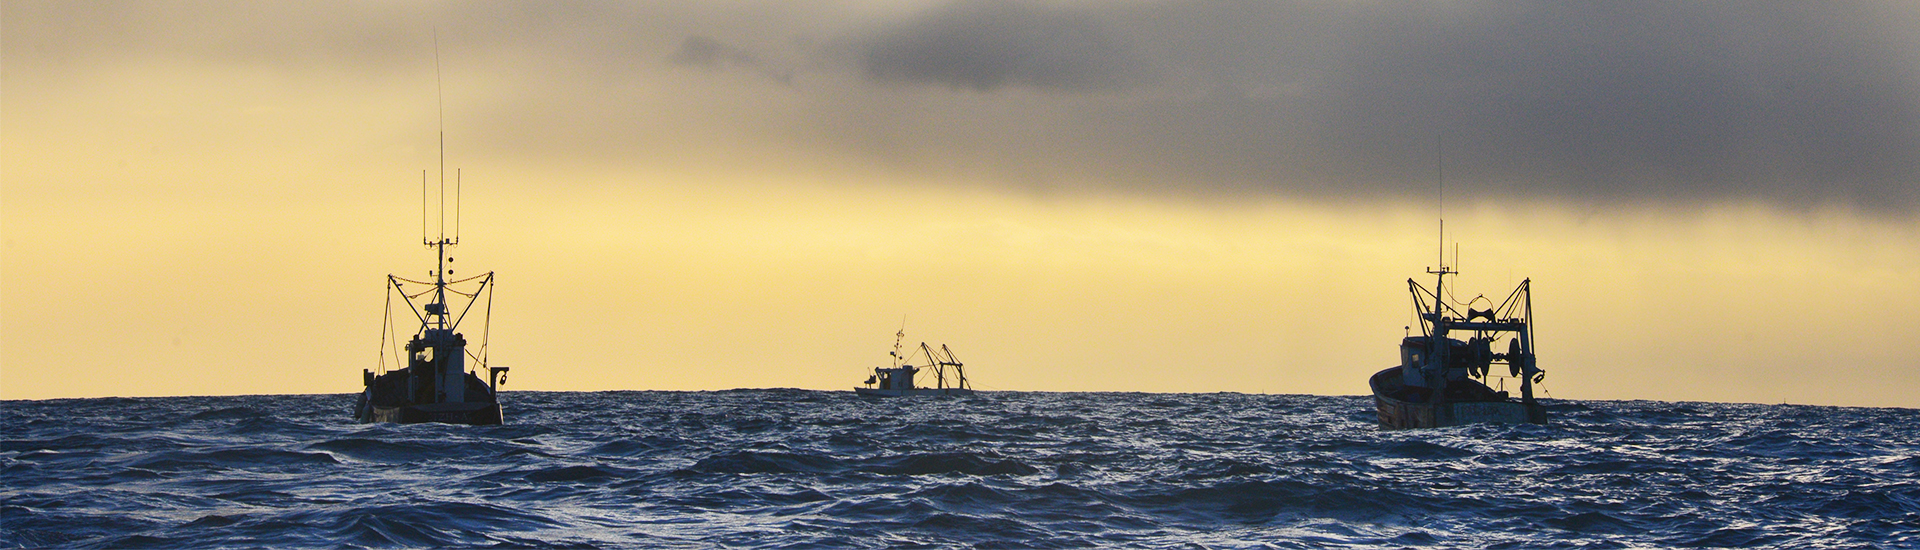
column 386, row 400
column 474, row 414
column 1399, row 410
column 878, row 392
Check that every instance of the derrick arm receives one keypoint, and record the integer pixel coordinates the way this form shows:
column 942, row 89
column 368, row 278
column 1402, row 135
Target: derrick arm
column 939, row 368
column 1430, row 313
column 958, row 370
column 1419, row 305
column 395, row 283
column 1528, row 372
column 487, row 280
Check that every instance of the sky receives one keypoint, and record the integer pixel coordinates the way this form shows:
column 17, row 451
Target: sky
column 1714, row 201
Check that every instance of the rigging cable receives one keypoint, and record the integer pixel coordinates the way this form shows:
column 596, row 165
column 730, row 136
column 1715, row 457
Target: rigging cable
column 386, row 320
column 486, row 331
column 452, row 282
column 406, row 280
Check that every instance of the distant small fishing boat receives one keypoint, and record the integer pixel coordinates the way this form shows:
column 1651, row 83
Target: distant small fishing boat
column 949, row 376
column 1442, row 381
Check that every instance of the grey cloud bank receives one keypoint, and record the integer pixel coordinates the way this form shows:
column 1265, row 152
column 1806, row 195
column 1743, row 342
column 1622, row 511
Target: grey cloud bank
column 1793, row 104
column 987, row 45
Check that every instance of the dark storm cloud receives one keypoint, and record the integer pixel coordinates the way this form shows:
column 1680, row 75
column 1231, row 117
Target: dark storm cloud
column 1614, row 101
column 702, row 51
column 708, row 53
column 1795, row 104
column 1642, row 101
column 987, row 45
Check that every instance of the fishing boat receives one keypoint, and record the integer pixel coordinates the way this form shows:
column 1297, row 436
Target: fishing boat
column 949, row 376
column 436, row 384
column 1443, row 381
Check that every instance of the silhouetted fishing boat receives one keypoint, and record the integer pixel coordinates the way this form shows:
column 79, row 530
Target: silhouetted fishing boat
column 1442, row 381
column 435, row 385
column 949, row 376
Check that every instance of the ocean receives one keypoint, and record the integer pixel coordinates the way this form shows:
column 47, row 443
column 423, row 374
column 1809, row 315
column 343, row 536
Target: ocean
column 802, row 469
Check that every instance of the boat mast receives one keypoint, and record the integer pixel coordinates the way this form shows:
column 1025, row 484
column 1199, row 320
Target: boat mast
column 1437, row 338
column 440, row 245
column 1440, row 275
column 899, row 337
column 1440, row 171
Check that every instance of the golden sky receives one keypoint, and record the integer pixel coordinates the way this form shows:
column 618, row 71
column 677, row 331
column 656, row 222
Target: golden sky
column 1715, row 202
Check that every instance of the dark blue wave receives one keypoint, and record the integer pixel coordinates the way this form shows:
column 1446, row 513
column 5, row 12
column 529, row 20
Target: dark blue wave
column 788, row 468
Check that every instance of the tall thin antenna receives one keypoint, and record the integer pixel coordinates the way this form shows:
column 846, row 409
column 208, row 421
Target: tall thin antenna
column 440, row 102
column 1440, row 168
column 456, row 206
column 443, row 185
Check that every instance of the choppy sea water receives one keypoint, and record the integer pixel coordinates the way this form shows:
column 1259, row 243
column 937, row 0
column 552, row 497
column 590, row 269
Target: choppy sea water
column 792, row 468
